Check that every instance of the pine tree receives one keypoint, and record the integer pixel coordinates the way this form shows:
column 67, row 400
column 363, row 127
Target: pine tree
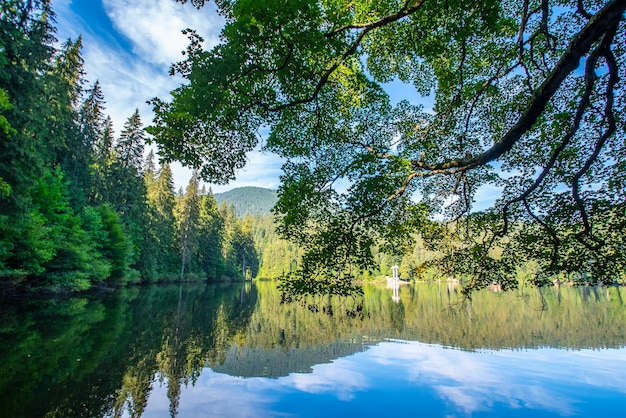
column 188, row 214
column 161, row 204
column 149, row 170
column 26, row 52
column 210, row 240
column 129, row 148
column 128, row 191
column 101, row 168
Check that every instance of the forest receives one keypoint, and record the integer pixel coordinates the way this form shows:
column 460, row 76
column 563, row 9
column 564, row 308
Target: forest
column 81, row 206
column 529, row 109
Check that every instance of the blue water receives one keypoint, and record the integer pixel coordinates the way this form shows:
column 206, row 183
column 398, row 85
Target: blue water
column 413, row 379
column 238, row 351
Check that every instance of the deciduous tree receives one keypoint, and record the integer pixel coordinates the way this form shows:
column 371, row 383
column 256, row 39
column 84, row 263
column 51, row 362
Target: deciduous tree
column 527, row 99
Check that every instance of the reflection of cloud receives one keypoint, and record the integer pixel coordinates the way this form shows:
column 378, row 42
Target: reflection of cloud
column 476, row 381
column 335, row 378
column 403, row 375
column 215, row 394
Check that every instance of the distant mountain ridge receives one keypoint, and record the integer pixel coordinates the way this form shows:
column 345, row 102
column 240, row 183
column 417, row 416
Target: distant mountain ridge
column 250, row 200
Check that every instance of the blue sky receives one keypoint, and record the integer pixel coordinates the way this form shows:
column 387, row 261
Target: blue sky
column 129, row 45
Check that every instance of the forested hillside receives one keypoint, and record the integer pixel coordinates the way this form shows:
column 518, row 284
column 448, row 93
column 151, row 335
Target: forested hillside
column 249, row 200
column 79, row 205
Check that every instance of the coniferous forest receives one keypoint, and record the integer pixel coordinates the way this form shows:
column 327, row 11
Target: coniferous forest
column 82, row 205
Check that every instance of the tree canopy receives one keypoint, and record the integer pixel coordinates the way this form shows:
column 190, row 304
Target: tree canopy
column 527, row 99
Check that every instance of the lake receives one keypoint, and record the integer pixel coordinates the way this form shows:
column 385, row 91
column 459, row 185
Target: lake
column 240, row 351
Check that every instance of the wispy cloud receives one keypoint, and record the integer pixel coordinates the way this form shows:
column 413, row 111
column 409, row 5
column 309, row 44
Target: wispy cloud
column 134, row 73
column 476, row 381
column 154, row 27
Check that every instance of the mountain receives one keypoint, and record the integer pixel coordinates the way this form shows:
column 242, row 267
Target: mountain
column 250, row 200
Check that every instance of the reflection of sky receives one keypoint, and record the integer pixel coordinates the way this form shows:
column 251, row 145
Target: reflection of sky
column 414, row 378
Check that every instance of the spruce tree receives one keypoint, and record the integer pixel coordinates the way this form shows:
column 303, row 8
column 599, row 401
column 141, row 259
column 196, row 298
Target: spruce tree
column 188, row 214
column 161, row 204
column 210, row 240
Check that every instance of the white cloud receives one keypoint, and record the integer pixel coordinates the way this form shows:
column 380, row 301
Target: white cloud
column 339, row 378
column 262, row 170
column 131, row 77
column 464, row 382
column 154, row 27
column 216, row 395
column 475, row 381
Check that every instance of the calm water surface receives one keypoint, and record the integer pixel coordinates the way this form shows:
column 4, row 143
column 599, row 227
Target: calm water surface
column 237, row 351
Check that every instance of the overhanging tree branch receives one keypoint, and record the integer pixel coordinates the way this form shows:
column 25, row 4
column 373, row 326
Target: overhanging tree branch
column 593, row 31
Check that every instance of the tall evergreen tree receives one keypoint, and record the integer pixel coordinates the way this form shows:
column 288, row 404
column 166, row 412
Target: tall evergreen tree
column 149, row 170
column 101, row 168
column 128, row 191
column 129, row 148
column 63, row 93
column 210, row 240
column 162, row 223
column 188, row 214
column 25, row 63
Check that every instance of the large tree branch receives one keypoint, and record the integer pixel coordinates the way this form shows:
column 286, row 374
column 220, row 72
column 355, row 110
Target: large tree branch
column 410, row 7
column 590, row 80
column 593, row 31
column 611, row 127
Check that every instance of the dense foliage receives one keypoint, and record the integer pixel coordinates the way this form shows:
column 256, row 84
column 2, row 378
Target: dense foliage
column 79, row 207
column 528, row 100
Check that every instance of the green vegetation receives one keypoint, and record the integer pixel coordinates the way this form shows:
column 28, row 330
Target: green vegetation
column 78, row 207
column 249, row 200
column 527, row 101
column 89, row 357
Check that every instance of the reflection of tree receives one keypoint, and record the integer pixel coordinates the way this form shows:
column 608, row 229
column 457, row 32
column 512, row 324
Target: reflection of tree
column 136, row 387
column 438, row 314
column 221, row 338
column 91, row 357
column 199, row 330
column 397, row 316
column 99, row 356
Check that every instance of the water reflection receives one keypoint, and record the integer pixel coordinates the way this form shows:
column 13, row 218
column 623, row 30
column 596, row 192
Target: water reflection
column 411, row 378
column 242, row 350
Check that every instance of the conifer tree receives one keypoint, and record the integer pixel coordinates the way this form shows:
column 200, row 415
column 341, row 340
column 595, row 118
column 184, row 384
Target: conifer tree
column 161, row 203
column 188, row 214
column 128, row 191
column 210, row 240
column 101, row 168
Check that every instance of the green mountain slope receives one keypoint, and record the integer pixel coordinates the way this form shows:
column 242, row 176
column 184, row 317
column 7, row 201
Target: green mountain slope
column 250, row 200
